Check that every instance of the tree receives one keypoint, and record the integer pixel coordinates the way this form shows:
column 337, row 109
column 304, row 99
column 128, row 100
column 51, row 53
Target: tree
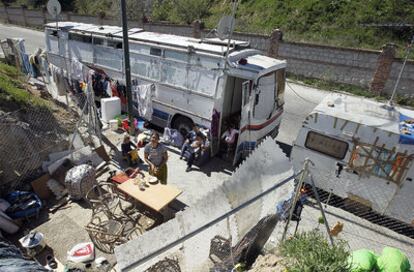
column 190, row 10
column 135, row 9
column 181, row 11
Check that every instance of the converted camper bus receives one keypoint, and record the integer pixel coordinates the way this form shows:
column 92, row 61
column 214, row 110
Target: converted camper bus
column 193, row 83
column 362, row 150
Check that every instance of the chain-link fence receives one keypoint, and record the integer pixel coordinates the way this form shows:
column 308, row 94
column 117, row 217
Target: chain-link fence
column 27, row 136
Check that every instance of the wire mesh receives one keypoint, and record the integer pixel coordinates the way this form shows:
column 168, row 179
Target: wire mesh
column 166, row 265
column 29, row 134
column 27, row 137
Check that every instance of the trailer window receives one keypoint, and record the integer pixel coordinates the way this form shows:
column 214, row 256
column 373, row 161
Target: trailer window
column 368, row 159
column 326, row 145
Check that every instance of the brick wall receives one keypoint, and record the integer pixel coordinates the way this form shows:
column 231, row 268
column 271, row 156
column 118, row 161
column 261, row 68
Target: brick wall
column 343, row 65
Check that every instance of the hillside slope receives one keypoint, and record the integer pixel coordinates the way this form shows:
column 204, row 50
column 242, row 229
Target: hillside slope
column 337, row 22
column 31, row 127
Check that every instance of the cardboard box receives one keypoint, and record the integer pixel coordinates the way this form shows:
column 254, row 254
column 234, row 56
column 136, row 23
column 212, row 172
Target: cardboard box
column 40, row 187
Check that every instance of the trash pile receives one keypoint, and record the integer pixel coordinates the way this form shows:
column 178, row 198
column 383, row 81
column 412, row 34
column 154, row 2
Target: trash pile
column 69, row 176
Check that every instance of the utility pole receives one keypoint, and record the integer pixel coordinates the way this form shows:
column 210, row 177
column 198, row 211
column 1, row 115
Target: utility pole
column 127, row 65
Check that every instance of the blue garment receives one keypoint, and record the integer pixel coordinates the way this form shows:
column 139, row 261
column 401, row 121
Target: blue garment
column 26, row 67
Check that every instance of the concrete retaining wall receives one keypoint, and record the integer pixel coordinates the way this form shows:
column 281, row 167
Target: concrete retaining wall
column 342, row 65
column 334, row 64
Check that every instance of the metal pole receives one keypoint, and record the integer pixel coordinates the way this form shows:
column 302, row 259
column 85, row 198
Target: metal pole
column 296, row 196
column 127, row 67
column 325, row 221
column 233, row 15
column 407, row 53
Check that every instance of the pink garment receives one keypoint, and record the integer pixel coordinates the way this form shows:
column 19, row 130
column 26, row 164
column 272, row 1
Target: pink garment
column 230, row 136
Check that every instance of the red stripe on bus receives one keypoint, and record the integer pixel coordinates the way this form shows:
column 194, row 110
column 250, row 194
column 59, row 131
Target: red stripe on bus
column 263, row 125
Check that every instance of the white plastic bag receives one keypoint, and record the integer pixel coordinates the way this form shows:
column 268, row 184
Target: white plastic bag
column 81, row 253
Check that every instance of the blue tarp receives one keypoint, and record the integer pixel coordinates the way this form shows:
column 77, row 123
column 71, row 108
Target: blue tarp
column 406, row 129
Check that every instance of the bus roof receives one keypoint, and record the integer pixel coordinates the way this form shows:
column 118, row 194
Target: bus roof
column 213, row 45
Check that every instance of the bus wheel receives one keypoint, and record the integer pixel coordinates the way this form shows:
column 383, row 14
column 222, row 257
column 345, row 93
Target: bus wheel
column 182, row 124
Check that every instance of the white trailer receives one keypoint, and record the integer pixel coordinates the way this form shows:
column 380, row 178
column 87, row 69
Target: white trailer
column 362, row 150
column 193, row 82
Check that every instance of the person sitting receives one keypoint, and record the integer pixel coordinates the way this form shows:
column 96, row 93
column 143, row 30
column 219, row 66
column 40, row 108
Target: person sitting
column 190, row 137
column 129, row 151
column 195, row 149
column 230, row 136
column 173, row 137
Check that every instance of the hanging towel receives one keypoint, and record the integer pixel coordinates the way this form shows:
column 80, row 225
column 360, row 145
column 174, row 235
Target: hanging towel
column 142, row 97
column 76, row 68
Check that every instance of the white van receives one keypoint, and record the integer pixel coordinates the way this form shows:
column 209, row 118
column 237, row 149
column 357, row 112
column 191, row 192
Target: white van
column 363, row 151
column 193, row 84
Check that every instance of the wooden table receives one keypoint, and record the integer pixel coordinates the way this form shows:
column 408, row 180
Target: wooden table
column 156, row 196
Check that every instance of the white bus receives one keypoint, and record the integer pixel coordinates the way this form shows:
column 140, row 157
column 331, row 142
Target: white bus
column 193, row 84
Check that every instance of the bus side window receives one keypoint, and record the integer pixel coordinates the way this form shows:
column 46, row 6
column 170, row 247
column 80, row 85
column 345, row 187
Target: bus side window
column 155, row 51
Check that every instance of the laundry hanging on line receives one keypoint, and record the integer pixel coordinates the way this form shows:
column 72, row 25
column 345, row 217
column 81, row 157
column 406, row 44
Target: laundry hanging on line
column 142, row 99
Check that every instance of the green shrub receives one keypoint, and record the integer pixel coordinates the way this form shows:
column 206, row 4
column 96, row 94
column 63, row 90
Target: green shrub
column 311, row 252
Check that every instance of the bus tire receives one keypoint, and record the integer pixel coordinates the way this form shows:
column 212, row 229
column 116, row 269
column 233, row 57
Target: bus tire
column 182, row 124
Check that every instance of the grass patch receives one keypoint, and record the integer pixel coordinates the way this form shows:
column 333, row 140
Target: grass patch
column 350, row 23
column 403, row 100
column 12, row 92
column 311, row 252
column 9, row 70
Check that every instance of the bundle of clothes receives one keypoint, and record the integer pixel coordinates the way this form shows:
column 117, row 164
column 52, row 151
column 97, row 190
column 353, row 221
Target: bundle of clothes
column 23, row 204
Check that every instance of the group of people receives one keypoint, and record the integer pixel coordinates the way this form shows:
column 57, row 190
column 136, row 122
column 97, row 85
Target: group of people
column 195, row 146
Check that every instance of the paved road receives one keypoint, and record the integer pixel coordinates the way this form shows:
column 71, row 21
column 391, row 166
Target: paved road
column 299, row 100
column 33, row 39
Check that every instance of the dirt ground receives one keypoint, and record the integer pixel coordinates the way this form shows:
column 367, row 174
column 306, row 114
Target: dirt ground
column 268, row 263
